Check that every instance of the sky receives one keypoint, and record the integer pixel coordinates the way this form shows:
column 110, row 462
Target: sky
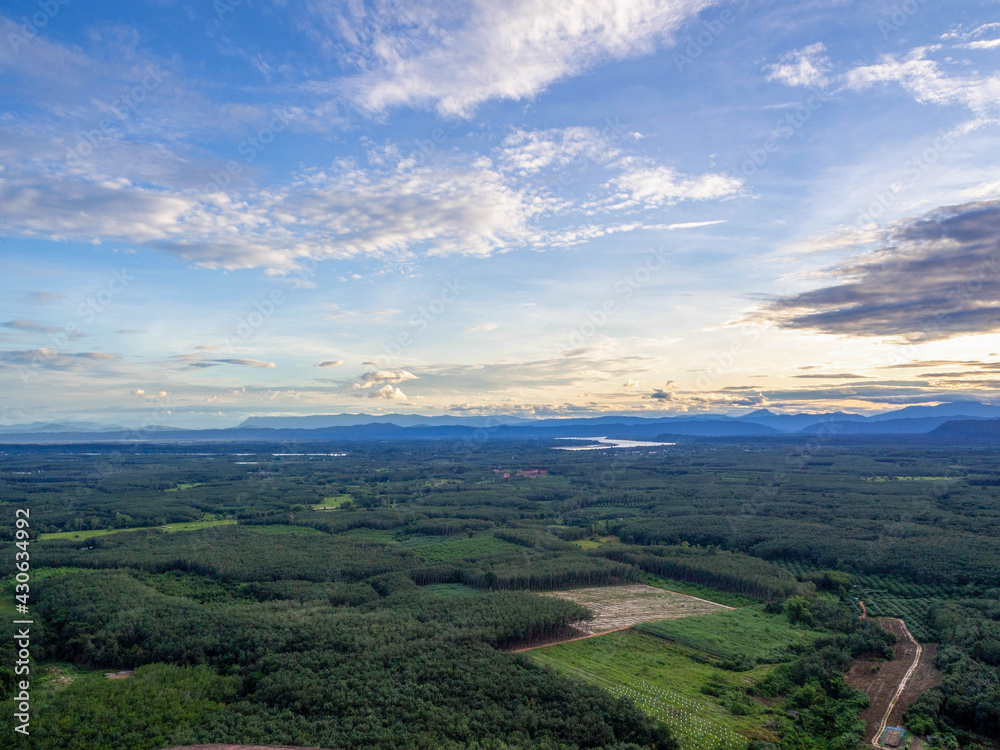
column 212, row 210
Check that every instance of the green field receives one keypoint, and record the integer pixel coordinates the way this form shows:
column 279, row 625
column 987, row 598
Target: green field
column 595, row 542
column 693, row 589
column 452, row 590
column 706, row 707
column 184, row 486
column 90, row 533
column 742, row 637
column 282, row 529
column 331, row 503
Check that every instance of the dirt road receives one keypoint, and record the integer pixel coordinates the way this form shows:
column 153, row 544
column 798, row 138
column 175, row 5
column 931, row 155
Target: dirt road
column 886, row 683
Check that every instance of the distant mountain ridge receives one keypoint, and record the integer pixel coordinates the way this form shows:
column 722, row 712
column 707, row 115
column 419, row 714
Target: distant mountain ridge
column 910, row 420
column 319, row 421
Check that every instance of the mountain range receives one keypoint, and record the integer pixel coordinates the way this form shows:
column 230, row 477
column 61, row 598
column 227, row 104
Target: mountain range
column 978, row 421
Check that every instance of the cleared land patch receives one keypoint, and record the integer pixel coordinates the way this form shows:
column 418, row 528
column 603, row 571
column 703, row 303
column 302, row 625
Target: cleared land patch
column 879, row 680
column 618, row 607
column 333, row 502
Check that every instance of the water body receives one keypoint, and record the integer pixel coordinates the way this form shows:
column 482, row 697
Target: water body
column 605, row 444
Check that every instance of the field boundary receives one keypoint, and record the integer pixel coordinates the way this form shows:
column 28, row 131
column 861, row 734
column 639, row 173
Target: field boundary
column 568, row 640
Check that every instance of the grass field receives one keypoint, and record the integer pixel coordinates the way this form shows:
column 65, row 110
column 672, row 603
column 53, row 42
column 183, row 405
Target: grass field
column 184, row 486
column 702, row 592
column 668, row 681
column 452, row 590
column 331, row 503
column 747, row 636
column 90, row 533
column 595, row 542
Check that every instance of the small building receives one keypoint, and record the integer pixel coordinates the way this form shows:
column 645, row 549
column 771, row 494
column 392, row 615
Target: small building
column 893, row 736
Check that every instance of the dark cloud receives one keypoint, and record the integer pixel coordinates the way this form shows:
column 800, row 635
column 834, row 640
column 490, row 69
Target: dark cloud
column 43, row 297
column 30, row 326
column 51, row 359
column 243, row 362
column 934, row 277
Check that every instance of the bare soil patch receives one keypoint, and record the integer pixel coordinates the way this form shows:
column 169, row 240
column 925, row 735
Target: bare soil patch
column 618, row 607
column 880, row 680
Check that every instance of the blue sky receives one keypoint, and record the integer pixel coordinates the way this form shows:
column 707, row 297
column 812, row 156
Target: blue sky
column 210, row 211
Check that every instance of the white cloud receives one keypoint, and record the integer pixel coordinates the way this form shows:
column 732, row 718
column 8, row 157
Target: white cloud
column 972, row 40
column 808, row 66
column 377, row 377
column 528, row 152
column 482, row 328
column 386, row 392
column 330, row 363
column 915, row 72
column 659, row 186
column 923, row 78
column 456, row 57
column 339, row 213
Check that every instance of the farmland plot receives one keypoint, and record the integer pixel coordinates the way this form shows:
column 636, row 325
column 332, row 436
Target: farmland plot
column 617, row 607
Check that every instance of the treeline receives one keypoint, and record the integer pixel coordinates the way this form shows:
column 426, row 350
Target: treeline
column 720, row 569
column 968, row 699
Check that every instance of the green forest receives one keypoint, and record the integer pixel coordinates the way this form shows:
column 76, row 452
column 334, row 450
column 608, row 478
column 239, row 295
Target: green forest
column 372, row 595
